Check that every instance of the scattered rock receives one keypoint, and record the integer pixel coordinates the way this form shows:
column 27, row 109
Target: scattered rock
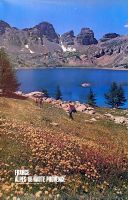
column 120, row 120
column 108, row 115
column 60, row 104
column 93, row 120
column 35, row 94
column 90, row 112
column 81, row 108
column 117, row 119
column 88, row 121
column 54, row 124
column 49, row 100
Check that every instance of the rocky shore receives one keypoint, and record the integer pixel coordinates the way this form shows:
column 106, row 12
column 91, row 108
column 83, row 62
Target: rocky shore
column 80, row 107
column 59, row 103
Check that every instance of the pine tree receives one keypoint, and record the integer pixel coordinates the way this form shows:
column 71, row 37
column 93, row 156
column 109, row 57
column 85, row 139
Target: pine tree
column 115, row 96
column 45, row 91
column 58, row 94
column 8, row 81
column 91, row 100
column 121, row 97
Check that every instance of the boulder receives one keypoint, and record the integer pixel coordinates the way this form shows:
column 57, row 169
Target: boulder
column 93, row 120
column 90, row 112
column 88, row 121
column 81, row 108
column 90, row 108
column 35, row 94
column 49, row 100
column 19, row 93
column 108, row 115
column 120, row 120
column 54, row 124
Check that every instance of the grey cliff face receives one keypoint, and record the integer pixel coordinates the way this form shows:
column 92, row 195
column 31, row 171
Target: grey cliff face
column 109, row 36
column 68, row 38
column 46, row 29
column 3, row 27
column 86, row 37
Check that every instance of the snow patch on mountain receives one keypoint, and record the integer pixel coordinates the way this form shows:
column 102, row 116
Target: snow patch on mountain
column 67, row 49
column 27, row 47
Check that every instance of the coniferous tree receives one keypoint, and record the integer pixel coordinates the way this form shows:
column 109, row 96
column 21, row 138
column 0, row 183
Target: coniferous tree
column 115, row 96
column 121, row 97
column 8, row 81
column 45, row 91
column 58, row 94
column 91, row 100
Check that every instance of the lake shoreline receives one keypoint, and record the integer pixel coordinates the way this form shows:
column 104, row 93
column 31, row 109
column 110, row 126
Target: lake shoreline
column 72, row 67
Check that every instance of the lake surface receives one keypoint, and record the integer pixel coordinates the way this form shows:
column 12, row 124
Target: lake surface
column 70, row 80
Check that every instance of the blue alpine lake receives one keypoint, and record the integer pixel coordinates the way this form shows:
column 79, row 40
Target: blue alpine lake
column 70, row 79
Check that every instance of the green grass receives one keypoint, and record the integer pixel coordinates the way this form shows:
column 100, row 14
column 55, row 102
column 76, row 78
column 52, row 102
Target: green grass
column 24, row 127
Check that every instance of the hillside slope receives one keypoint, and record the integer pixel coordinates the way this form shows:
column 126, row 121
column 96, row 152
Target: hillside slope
column 91, row 153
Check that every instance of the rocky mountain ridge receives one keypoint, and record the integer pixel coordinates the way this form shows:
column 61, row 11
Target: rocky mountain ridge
column 42, row 46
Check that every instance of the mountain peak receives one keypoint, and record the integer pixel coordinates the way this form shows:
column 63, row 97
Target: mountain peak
column 68, row 38
column 3, row 26
column 86, row 37
column 47, row 29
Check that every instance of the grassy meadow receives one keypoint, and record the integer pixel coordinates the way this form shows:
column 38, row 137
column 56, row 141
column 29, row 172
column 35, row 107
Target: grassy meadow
column 92, row 154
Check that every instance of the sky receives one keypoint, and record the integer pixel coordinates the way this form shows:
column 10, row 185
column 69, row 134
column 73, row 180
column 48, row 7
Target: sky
column 102, row 16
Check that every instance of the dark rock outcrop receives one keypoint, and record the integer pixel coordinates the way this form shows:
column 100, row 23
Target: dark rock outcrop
column 86, row 37
column 3, row 27
column 68, row 38
column 109, row 36
column 99, row 53
column 46, row 29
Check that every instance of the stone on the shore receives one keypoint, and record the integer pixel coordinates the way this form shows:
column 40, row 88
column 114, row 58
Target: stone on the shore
column 108, row 115
column 48, row 100
column 120, row 120
column 81, row 108
column 35, row 94
column 19, row 93
column 93, row 120
column 90, row 112
column 61, row 104
column 54, row 124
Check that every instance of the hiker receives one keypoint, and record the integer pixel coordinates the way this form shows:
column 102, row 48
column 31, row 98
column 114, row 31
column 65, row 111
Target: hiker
column 36, row 101
column 40, row 102
column 71, row 109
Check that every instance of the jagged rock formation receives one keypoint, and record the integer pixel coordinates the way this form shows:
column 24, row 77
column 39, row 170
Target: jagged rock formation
column 109, row 36
column 86, row 37
column 68, row 38
column 3, row 26
column 42, row 46
column 45, row 29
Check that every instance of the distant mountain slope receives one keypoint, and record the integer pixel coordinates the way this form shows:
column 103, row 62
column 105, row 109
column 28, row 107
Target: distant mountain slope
column 42, row 46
